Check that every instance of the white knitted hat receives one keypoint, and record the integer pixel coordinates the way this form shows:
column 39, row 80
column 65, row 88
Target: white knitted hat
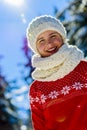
column 41, row 24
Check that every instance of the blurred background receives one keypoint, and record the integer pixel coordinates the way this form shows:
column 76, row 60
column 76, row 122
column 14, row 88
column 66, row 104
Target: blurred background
column 15, row 56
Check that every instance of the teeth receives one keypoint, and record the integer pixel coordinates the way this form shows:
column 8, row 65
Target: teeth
column 52, row 49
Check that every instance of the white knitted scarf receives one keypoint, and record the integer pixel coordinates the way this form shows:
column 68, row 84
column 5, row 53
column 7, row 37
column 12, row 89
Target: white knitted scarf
column 57, row 65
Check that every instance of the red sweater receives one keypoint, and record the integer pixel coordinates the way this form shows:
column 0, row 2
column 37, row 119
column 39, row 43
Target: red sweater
column 61, row 104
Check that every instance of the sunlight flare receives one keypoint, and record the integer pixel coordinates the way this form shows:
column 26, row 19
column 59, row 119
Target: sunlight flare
column 16, row 3
column 23, row 18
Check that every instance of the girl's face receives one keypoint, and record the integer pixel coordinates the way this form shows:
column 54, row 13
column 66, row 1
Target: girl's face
column 48, row 43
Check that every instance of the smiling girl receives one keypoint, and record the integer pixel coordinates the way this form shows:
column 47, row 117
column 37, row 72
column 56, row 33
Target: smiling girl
column 58, row 94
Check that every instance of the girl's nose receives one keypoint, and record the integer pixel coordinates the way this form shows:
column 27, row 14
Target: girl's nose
column 49, row 41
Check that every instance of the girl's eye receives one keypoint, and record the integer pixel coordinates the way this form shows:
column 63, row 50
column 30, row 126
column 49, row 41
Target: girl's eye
column 41, row 41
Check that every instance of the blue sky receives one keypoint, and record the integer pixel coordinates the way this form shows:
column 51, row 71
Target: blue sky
column 14, row 20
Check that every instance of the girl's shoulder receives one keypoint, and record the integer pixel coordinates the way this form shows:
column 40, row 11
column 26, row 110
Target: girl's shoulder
column 35, row 83
column 85, row 59
column 82, row 67
column 34, row 86
column 84, row 62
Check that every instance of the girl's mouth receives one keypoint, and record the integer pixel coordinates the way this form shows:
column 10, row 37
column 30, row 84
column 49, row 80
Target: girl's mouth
column 52, row 50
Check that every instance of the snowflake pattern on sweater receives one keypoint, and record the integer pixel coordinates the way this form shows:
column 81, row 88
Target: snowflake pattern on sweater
column 61, row 104
column 54, row 94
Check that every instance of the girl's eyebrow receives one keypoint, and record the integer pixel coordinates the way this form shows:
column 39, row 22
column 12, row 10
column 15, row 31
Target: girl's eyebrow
column 39, row 39
column 48, row 35
column 53, row 33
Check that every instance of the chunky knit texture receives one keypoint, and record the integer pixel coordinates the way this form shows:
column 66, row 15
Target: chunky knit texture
column 61, row 104
column 57, row 65
column 41, row 24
